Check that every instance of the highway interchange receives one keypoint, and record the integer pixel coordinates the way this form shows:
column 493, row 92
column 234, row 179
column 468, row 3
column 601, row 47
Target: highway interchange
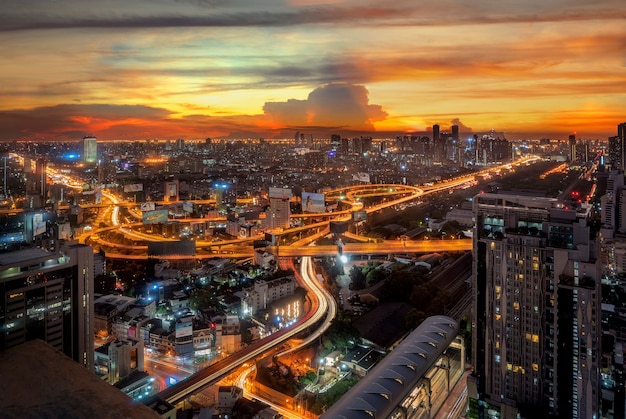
column 323, row 307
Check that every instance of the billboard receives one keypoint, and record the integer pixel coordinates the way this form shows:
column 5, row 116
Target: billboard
column 171, row 191
column 39, row 224
column 313, row 202
column 134, row 187
column 361, row 177
column 184, row 329
column 282, row 193
column 358, row 216
column 188, row 206
column 154, row 217
column 65, row 231
column 147, row 206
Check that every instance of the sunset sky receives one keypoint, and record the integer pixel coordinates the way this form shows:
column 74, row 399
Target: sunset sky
column 138, row 69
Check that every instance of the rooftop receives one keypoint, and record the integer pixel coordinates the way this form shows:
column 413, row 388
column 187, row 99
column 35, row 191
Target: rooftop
column 39, row 381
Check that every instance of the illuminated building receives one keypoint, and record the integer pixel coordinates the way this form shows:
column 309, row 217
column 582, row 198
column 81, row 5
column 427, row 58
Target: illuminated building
column 617, row 147
column 90, row 150
column 279, row 211
column 49, row 296
column 572, row 147
column 118, row 359
column 263, row 293
column 536, row 310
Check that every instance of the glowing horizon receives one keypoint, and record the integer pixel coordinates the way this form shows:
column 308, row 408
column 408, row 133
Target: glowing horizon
column 201, row 68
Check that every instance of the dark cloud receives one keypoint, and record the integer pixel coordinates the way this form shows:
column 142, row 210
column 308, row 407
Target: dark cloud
column 403, row 14
column 65, row 121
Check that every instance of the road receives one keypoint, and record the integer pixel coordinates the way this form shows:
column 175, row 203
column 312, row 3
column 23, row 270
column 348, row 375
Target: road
column 323, row 308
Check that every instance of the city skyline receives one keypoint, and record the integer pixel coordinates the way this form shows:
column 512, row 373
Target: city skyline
column 200, row 68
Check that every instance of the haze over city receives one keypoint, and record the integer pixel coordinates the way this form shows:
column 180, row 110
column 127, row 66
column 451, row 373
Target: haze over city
column 202, row 68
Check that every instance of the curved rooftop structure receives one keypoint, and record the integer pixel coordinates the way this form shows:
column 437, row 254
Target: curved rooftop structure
column 388, row 384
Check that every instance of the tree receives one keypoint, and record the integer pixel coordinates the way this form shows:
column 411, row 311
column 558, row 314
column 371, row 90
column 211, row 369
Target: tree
column 374, row 276
column 414, row 318
column 357, row 278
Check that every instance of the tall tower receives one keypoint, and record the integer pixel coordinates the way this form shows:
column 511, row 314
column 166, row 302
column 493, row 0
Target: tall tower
column 455, row 132
column 437, row 143
column 90, row 150
column 572, row 147
column 41, row 180
column 536, row 309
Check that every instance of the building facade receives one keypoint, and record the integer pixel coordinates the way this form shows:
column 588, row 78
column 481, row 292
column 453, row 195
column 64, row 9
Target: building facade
column 49, row 296
column 536, row 310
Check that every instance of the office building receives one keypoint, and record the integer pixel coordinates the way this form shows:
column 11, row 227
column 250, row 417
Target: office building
column 455, row 132
column 572, row 147
column 48, row 296
column 438, row 143
column 90, row 150
column 617, row 147
column 279, row 211
column 536, row 310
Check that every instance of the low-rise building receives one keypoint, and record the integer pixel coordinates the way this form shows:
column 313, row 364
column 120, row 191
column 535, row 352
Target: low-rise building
column 262, row 293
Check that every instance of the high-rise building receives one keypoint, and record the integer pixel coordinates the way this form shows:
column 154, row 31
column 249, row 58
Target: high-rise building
column 90, row 150
column 225, row 195
column 572, row 147
column 48, row 296
column 617, row 147
column 455, row 132
column 41, row 181
column 279, row 211
column 438, row 144
column 536, row 310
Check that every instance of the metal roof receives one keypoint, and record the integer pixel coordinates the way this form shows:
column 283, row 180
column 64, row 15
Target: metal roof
column 384, row 388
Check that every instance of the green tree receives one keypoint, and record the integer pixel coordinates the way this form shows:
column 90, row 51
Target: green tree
column 374, row 276
column 357, row 278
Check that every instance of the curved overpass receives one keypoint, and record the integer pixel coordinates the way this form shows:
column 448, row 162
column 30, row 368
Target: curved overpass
column 323, row 307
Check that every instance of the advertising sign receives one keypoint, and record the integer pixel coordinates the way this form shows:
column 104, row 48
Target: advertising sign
column 65, row 231
column 358, row 216
column 39, row 224
column 171, row 191
column 361, row 177
column 154, row 217
column 184, row 329
column 188, row 206
column 147, row 206
column 313, row 202
column 135, row 187
column 281, row 193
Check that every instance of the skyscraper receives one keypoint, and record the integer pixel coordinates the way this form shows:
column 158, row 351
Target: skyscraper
column 536, row 310
column 48, row 295
column 41, row 180
column 437, row 143
column 90, row 150
column 455, row 132
column 279, row 210
column 572, row 147
column 617, row 147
